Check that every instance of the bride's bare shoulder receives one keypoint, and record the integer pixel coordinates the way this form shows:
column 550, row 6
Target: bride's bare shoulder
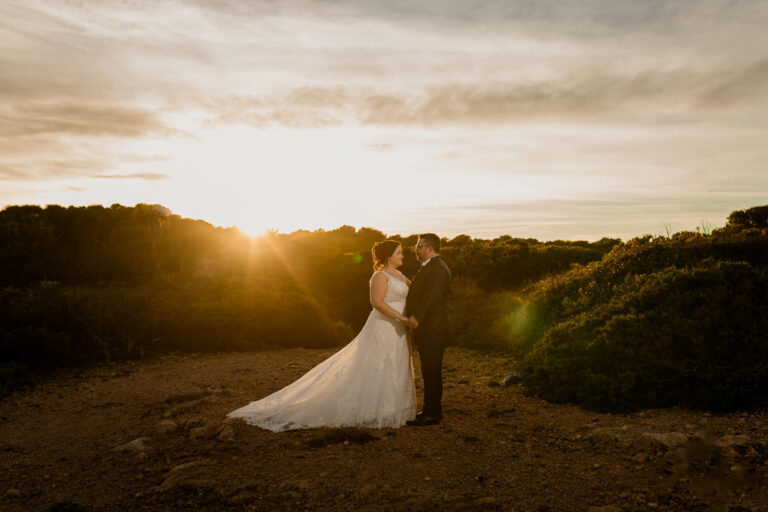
column 378, row 276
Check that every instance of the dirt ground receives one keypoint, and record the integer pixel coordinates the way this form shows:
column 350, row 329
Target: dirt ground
column 152, row 435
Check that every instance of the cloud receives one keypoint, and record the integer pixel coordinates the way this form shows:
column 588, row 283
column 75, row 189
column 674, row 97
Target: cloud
column 133, row 176
column 71, row 167
column 76, row 118
column 39, row 158
column 9, row 173
column 740, row 86
column 587, row 94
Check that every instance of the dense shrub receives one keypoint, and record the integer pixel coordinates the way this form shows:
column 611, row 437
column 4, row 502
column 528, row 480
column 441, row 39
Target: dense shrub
column 695, row 337
column 47, row 328
column 507, row 263
column 559, row 297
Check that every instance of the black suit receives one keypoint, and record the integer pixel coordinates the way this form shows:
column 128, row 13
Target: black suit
column 426, row 301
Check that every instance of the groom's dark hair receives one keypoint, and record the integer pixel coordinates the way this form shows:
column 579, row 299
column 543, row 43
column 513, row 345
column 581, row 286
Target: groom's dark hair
column 431, row 240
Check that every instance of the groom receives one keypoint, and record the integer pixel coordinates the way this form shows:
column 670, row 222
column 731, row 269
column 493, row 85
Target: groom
column 425, row 307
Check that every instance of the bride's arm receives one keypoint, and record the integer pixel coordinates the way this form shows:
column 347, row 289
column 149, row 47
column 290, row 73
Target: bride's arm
column 379, row 286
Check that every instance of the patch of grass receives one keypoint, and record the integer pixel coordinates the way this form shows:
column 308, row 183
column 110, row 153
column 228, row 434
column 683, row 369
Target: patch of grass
column 341, row 435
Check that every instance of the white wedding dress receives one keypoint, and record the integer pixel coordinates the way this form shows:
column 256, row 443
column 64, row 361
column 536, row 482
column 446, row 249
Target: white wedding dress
column 368, row 383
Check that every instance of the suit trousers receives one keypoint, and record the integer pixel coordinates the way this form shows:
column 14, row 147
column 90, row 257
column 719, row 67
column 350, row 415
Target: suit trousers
column 432, row 374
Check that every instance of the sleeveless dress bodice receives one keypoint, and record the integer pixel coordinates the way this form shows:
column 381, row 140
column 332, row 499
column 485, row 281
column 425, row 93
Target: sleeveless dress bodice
column 397, row 292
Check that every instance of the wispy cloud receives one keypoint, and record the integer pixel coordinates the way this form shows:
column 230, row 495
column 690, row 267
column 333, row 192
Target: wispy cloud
column 71, row 118
column 590, row 93
column 139, row 175
column 740, row 87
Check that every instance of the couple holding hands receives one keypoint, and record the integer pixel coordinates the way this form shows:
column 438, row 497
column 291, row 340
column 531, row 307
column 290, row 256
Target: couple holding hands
column 370, row 381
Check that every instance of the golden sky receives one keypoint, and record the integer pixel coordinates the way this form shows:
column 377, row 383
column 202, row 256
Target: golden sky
column 537, row 118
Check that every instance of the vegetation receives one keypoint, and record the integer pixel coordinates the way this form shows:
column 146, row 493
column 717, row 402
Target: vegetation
column 86, row 284
column 656, row 321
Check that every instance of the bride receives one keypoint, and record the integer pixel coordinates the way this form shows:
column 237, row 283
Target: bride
column 369, row 382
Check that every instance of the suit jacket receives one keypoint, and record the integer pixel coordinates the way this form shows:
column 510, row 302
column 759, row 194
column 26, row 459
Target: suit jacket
column 427, row 300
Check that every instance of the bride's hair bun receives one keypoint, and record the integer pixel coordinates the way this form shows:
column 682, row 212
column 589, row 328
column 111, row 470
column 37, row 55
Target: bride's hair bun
column 382, row 251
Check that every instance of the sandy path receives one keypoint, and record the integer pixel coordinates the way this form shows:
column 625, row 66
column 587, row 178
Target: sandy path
column 495, row 450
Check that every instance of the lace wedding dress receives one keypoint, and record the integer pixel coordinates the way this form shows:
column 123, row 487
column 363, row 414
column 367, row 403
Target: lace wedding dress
column 368, row 383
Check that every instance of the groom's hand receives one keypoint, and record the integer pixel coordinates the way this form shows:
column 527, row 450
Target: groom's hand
column 412, row 322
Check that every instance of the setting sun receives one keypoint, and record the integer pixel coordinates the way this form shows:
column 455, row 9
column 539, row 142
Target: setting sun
column 502, row 120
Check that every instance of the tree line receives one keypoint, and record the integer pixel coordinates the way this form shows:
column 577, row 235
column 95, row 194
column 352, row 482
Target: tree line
column 85, row 284
column 610, row 325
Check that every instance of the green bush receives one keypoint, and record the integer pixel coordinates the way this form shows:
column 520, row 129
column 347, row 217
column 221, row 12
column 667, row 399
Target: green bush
column 47, row 328
column 688, row 336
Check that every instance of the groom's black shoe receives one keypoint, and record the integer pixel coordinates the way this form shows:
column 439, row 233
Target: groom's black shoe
column 422, row 421
column 415, row 421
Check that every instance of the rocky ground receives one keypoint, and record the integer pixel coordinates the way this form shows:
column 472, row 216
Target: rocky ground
column 152, row 435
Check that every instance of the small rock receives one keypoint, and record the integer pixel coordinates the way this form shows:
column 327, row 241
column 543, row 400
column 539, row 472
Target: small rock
column 181, row 474
column 733, row 440
column 137, row 445
column 486, row 500
column 208, row 431
column 511, row 379
column 243, row 498
column 664, row 441
column 603, row 437
column 192, row 423
column 188, row 396
column 12, row 493
column 189, row 406
column 227, row 433
column 166, row 426
column 366, row 491
column 640, row 457
column 674, row 457
column 728, row 452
